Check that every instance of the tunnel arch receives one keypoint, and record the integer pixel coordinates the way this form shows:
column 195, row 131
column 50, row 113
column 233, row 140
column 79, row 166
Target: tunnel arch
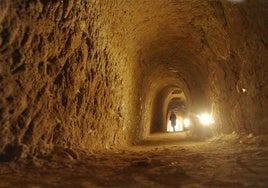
column 161, row 106
column 178, row 106
column 164, row 79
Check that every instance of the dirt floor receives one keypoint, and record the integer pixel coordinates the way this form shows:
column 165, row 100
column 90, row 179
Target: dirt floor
column 163, row 160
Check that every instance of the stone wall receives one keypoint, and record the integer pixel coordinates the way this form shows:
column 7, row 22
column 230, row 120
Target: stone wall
column 241, row 101
column 61, row 77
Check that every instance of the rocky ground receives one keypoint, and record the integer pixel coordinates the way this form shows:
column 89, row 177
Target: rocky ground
column 163, row 160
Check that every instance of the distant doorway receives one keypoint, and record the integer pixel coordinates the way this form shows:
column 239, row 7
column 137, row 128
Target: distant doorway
column 178, row 127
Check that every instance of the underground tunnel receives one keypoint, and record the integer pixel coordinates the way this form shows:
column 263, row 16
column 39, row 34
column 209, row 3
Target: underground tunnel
column 87, row 89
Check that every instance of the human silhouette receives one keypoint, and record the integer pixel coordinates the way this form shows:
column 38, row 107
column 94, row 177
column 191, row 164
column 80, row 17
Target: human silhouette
column 173, row 120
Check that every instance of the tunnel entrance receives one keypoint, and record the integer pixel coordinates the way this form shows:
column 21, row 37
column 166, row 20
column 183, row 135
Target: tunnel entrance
column 178, row 126
column 170, row 99
column 176, row 106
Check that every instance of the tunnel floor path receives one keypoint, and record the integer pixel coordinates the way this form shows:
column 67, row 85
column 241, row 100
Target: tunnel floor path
column 162, row 160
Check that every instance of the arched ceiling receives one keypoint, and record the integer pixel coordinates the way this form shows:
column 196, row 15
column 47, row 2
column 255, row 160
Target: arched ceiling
column 187, row 44
column 69, row 67
column 169, row 41
column 193, row 45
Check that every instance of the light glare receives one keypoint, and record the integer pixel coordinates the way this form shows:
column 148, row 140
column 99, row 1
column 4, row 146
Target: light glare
column 205, row 119
column 186, row 122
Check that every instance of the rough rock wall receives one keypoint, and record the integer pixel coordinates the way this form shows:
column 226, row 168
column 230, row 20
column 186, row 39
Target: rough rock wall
column 61, row 80
column 240, row 103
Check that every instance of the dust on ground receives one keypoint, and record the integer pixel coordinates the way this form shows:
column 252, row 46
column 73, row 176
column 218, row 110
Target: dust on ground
column 162, row 160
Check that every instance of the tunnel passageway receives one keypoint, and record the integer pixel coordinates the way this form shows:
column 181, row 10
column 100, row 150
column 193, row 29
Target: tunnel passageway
column 87, row 88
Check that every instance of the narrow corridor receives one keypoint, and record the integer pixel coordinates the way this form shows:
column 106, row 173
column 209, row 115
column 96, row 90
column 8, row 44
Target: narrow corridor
column 88, row 88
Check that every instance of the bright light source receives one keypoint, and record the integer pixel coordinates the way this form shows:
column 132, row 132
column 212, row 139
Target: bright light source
column 205, row 119
column 186, row 122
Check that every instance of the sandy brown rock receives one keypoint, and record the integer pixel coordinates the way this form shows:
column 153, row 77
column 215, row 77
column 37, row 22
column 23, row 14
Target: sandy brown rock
column 94, row 75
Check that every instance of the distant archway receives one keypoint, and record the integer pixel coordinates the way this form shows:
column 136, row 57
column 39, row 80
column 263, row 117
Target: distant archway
column 178, row 106
column 170, row 98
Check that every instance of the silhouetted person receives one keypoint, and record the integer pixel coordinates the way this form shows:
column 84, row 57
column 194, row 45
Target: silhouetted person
column 173, row 120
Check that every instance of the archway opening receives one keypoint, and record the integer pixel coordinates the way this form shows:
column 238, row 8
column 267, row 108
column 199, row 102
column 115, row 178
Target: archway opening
column 177, row 107
column 170, row 98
